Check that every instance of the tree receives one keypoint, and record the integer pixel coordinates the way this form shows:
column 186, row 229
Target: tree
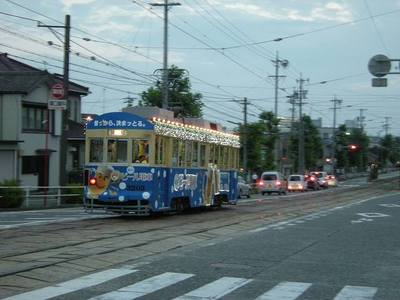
column 341, row 153
column 359, row 157
column 271, row 135
column 313, row 150
column 181, row 100
column 261, row 137
column 389, row 150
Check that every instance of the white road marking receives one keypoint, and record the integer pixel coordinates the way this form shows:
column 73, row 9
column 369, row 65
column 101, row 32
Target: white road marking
column 356, row 293
column 390, row 205
column 285, row 291
column 144, row 287
column 216, row 289
column 72, row 285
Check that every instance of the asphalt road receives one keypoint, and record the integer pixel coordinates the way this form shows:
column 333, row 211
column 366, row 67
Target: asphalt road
column 345, row 252
column 16, row 219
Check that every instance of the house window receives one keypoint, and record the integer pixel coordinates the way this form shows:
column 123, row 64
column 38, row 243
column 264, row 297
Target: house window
column 34, row 118
column 30, row 164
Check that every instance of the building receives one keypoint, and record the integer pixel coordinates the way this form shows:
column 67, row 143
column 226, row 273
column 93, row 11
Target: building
column 30, row 133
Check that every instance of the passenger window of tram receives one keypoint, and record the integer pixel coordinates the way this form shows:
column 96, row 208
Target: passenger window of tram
column 195, row 161
column 117, row 150
column 181, row 153
column 140, row 151
column 202, row 155
column 188, row 153
column 160, row 150
column 175, row 152
column 96, row 150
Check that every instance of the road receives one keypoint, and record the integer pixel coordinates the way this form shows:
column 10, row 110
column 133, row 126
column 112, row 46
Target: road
column 306, row 246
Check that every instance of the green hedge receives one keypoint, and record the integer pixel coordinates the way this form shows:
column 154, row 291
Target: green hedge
column 73, row 190
column 11, row 197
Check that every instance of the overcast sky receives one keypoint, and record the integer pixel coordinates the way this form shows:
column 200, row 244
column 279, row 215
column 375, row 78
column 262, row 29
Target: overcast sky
column 225, row 46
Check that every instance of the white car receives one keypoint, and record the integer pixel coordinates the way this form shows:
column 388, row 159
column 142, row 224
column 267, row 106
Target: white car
column 297, row 183
column 243, row 188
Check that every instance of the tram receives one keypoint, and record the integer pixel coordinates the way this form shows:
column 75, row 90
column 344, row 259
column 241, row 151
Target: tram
column 138, row 166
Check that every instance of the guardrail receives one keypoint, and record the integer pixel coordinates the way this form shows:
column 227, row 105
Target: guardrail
column 48, row 196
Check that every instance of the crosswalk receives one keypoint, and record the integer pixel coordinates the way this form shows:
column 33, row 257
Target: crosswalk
column 215, row 289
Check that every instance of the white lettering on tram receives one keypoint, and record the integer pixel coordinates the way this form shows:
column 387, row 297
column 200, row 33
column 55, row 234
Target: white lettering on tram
column 185, row 182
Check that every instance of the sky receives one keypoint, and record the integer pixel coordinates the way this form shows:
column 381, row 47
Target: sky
column 226, row 48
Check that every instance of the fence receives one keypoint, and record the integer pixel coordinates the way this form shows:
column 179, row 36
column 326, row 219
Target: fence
column 48, row 196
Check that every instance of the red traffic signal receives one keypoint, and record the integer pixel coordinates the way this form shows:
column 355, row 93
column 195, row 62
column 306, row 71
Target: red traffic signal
column 353, row 147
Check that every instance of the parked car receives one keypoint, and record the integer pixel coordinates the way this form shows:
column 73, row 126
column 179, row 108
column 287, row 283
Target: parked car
column 297, row 183
column 272, row 182
column 332, row 181
column 321, row 177
column 243, row 188
column 312, row 182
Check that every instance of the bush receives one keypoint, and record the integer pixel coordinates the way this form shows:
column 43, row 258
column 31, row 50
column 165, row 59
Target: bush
column 11, row 197
column 73, row 189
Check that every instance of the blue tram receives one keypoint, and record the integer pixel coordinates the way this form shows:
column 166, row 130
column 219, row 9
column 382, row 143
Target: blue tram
column 138, row 166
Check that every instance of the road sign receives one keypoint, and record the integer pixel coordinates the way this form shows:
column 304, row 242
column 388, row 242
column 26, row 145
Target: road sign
column 57, row 93
column 57, row 104
column 379, row 82
column 379, row 65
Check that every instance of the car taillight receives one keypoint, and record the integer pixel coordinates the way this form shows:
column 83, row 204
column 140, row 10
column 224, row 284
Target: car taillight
column 332, row 177
column 312, row 178
column 92, row 181
column 278, row 182
column 260, row 183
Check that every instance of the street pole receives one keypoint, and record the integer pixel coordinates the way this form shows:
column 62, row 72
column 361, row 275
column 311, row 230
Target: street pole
column 361, row 118
column 301, row 133
column 277, row 63
column 245, row 103
column 336, row 102
column 166, row 6
column 65, row 113
column 386, row 126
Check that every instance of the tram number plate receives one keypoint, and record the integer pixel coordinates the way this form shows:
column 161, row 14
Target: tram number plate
column 135, row 188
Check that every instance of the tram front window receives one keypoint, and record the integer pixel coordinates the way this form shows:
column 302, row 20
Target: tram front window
column 117, row 151
column 96, row 150
column 140, row 151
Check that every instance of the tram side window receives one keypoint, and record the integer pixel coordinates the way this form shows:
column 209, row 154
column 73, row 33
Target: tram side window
column 195, row 160
column 96, row 150
column 140, row 151
column 188, row 153
column 117, row 150
column 175, row 152
column 202, row 155
column 160, row 150
column 181, row 153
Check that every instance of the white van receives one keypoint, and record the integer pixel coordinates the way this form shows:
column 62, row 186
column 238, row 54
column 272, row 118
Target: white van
column 272, row 182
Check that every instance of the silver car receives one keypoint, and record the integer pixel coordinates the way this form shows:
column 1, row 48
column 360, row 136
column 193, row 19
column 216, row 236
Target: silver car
column 243, row 188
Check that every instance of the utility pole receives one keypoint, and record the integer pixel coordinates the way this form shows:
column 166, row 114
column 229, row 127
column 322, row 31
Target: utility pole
column 302, row 96
column 245, row 152
column 166, row 6
column 336, row 106
column 277, row 63
column 292, row 100
column 386, row 126
column 65, row 113
column 361, row 118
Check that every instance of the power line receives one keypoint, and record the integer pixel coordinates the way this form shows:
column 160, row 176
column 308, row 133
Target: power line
column 278, row 39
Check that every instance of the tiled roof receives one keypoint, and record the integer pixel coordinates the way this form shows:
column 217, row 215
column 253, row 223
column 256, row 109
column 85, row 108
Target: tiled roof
column 17, row 77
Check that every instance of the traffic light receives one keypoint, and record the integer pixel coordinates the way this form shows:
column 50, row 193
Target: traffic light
column 353, row 147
